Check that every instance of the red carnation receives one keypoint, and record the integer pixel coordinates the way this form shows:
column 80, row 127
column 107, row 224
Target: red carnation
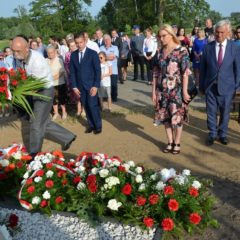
column 94, row 162
column 195, row 218
column 64, row 182
column 153, row 199
column 168, row 190
column 77, row 180
column 49, row 165
column 61, row 173
column 26, row 158
column 14, row 82
column 13, row 220
column 122, row 168
column 141, row 200
column 40, row 173
column 43, row 203
column 173, row 205
column 58, row 200
column 91, row 179
column 148, row 222
column 19, row 164
column 31, row 189
column 92, row 187
column 127, row 189
column 29, row 181
column 193, row 191
column 49, row 184
column 167, row 224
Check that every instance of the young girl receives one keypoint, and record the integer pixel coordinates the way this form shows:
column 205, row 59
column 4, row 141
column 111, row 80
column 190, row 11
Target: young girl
column 105, row 85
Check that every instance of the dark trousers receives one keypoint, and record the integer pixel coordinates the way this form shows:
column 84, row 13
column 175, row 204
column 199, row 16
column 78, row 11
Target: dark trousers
column 114, row 87
column 41, row 125
column 138, row 60
column 92, row 109
column 119, row 70
column 149, row 65
column 215, row 102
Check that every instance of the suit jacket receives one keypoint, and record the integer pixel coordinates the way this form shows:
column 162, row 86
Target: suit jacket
column 86, row 74
column 118, row 43
column 227, row 76
column 102, row 43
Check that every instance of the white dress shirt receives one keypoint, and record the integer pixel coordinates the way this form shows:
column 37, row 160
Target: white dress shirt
column 224, row 45
column 36, row 65
column 93, row 45
column 79, row 54
column 150, row 45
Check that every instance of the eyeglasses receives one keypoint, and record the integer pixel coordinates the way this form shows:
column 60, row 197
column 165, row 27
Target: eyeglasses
column 163, row 36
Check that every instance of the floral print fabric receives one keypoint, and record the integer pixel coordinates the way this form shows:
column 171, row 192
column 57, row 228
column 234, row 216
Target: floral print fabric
column 168, row 77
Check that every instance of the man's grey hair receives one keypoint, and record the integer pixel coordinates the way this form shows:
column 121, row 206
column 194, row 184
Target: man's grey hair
column 224, row 22
column 106, row 36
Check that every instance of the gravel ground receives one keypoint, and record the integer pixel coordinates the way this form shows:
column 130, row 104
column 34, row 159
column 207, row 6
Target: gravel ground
column 36, row 226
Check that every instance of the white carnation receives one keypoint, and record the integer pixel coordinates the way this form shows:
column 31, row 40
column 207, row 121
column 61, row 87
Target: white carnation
column 112, row 181
column 186, row 172
column 72, row 160
column 160, row 186
column 154, row 177
column 81, row 186
column 49, row 174
column 142, row 187
column 131, row 163
column 26, row 175
column 37, row 179
column 4, row 162
column 138, row 170
column 114, row 163
column 196, row 184
column 167, row 174
column 46, row 195
column 17, row 155
column 113, row 204
column 36, row 165
column 46, row 160
column 180, row 180
column 94, row 171
column 139, row 178
column 126, row 166
column 36, row 200
column 103, row 173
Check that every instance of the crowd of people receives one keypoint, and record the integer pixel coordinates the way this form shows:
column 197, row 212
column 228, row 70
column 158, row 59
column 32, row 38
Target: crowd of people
column 86, row 72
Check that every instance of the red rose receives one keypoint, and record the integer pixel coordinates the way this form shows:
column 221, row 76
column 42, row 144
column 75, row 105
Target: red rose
column 58, row 200
column 40, row 173
column 195, row 218
column 31, row 189
column 29, row 181
column 173, row 205
column 49, row 184
column 77, row 180
column 141, row 200
column 91, row 179
column 127, row 189
column 193, row 191
column 13, row 220
column 19, row 164
column 64, row 182
column 94, row 162
column 14, row 82
column 49, row 165
column 167, row 224
column 153, row 199
column 92, row 187
column 168, row 190
column 148, row 222
column 43, row 203
column 61, row 173
column 122, row 168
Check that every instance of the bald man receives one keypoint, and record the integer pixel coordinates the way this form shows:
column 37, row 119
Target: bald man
column 40, row 124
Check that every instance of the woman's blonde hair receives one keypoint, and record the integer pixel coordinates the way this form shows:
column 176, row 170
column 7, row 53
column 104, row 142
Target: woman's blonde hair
column 169, row 29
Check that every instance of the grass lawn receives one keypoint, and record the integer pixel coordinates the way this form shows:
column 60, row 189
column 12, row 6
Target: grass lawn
column 3, row 44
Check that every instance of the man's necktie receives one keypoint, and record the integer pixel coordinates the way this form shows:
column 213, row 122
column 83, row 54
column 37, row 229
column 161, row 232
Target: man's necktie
column 99, row 43
column 220, row 55
column 81, row 57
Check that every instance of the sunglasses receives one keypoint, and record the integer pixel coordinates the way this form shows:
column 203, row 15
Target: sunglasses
column 101, row 58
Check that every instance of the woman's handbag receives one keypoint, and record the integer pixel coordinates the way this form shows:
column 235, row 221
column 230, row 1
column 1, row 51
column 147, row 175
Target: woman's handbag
column 192, row 91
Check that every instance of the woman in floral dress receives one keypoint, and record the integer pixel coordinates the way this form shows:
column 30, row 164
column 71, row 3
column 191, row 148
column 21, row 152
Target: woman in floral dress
column 170, row 81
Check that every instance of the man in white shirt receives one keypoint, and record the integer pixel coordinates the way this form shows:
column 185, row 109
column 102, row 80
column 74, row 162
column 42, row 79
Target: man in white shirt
column 91, row 44
column 40, row 123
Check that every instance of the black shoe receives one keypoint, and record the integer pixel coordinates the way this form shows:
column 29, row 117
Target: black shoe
column 88, row 130
column 210, row 141
column 98, row 131
column 223, row 140
column 68, row 145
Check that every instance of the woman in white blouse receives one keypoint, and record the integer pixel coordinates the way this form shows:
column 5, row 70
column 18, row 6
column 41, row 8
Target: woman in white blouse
column 149, row 51
column 59, row 76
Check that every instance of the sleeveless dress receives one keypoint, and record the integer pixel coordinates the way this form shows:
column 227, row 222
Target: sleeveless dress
column 168, row 75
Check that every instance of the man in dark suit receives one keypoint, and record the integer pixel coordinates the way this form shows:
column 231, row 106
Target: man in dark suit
column 117, row 41
column 85, row 76
column 99, row 35
column 219, row 79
